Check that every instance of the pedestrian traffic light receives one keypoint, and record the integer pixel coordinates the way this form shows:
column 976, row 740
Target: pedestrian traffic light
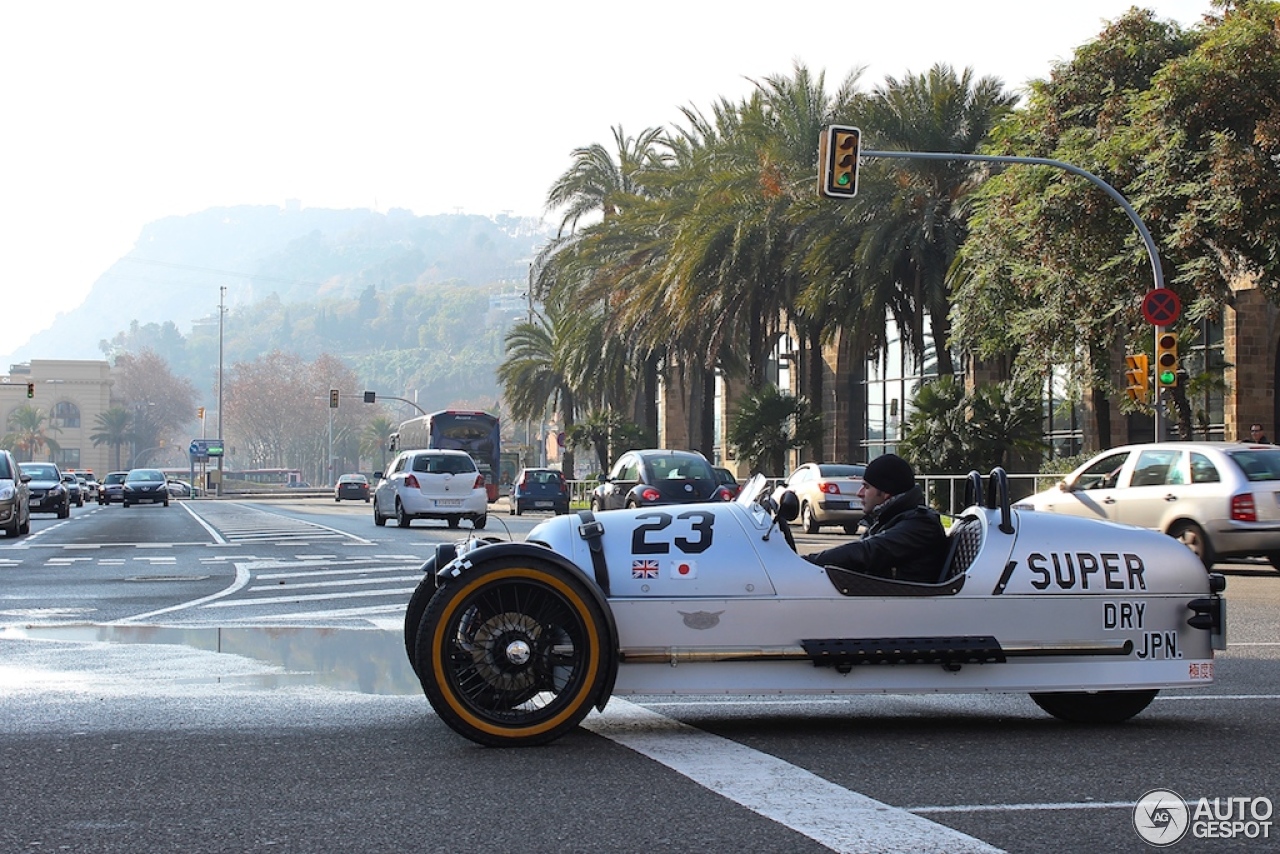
column 31, row 390
column 1136, row 377
column 1167, row 360
column 838, row 149
column 333, row 398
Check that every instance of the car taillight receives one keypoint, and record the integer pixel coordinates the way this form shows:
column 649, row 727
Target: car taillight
column 1243, row 509
column 725, row 493
column 411, row 482
column 650, row 494
column 524, row 481
column 829, row 488
column 479, row 484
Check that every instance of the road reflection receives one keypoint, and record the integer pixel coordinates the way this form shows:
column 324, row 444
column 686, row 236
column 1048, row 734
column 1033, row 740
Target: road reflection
column 368, row 661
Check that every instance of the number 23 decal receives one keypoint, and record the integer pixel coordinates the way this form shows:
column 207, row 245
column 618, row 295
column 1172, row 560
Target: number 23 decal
column 648, row 539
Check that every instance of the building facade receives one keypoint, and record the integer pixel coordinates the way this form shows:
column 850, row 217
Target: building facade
column 68, row 396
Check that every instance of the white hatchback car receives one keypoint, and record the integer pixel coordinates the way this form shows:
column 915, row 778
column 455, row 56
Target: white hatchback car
column 431, row 484
column 1220, row 498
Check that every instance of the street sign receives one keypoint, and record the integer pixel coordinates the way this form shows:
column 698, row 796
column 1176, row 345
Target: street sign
column 1161, row 307
column 205, row 448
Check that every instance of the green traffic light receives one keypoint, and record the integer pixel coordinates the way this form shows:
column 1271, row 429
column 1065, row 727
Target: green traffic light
column 1167, row 377
column 843, row 180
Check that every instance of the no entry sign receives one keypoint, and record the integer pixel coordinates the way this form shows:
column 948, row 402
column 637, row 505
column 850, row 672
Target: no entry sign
column 1161, row 307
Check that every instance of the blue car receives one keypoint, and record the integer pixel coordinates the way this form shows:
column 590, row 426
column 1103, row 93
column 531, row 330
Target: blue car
column 539, row 489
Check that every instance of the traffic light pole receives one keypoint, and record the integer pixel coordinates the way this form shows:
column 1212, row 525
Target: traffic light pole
column 1152, row 253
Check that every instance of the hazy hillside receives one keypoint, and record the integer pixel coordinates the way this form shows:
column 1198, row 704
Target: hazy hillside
column 178, row 265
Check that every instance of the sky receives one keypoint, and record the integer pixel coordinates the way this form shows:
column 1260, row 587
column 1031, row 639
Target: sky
column 118, row 114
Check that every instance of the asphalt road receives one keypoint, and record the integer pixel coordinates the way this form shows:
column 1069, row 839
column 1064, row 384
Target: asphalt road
column 226, row 676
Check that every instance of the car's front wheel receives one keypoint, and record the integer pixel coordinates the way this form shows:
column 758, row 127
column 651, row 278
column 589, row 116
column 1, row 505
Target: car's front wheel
column 1099, row 707
column 378, row 518
column 515, row 652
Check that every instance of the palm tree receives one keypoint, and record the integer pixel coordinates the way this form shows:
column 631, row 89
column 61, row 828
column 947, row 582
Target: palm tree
column 534, row 376
column 597, row 183
column 770, row 423
column 114, row 429
column 373, row 439
column 910, row 246
column 27, row 434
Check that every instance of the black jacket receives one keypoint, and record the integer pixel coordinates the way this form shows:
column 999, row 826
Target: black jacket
column 906, row 541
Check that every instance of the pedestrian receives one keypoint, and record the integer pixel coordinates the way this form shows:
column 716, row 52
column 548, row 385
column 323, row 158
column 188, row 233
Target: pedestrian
column 906, row 539
column 1256, row 435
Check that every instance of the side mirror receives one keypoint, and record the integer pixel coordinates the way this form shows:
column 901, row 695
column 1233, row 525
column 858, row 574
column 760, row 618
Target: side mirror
column 788, row 506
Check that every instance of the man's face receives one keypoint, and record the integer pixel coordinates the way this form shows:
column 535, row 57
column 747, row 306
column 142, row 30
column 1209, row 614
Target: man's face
column 872, row 497
column 1256, row 431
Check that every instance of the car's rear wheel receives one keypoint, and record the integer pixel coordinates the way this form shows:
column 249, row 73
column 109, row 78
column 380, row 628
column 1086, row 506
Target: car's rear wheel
column 516, row 652
column 402, row 518
column 1101, row 707
column 479, row 522
column 808, row 521
column 1274, row 558
column 453, row 521
column 1192, row 536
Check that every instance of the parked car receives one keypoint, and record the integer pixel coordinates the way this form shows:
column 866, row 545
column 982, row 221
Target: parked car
column 15, row 497
column 1219, row 498
column 145, row 486
column 539, row 489
column 48, row 493
column 435, row 484
column 352, row 486
column 828, row 494
column 652, row 477
column 112, row 487
column 74, row 491
column 728, row 480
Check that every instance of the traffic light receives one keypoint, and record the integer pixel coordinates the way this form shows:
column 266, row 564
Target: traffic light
column 838, row 149
column 200, row 412
column 31, row 390
column 1167, row 360
column 333, row 398
column 1136, row 377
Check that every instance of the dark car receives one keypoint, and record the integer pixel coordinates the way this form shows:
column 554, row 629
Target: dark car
column 651, row 477
column 48, row 493
column 74, row 490
column 729, row 480
column 15, row 497
column 539, row 489
column 112, row 487
column 145, row 486
column 354, row 487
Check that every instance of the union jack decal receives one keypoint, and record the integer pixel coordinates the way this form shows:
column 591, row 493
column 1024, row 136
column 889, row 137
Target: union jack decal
column 644, row 569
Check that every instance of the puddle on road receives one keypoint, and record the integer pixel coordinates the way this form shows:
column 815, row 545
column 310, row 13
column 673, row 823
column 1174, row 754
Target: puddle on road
column 368, row 661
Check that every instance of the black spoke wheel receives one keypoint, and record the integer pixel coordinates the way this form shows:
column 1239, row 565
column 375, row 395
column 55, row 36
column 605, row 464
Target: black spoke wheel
column 514, row 653
column 1100, row 707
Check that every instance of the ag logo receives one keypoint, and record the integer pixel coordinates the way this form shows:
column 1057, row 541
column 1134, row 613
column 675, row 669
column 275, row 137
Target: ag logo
column 1161, row 817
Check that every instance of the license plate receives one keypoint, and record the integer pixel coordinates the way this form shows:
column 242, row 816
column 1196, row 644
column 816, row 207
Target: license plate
column 542, row 504
column 448, row 502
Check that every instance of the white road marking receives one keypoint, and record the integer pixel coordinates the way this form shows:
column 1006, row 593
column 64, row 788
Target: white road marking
column 832, row 815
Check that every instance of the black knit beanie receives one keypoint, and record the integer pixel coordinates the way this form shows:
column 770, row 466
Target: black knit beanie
column 890, row 473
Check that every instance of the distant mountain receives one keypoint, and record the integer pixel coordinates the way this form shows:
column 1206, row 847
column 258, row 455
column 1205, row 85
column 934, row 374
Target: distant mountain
column 176, row 269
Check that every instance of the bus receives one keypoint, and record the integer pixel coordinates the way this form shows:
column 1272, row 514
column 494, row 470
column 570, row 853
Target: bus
column 477, row 433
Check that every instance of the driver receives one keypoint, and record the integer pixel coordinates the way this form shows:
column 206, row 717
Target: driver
column 906, row 540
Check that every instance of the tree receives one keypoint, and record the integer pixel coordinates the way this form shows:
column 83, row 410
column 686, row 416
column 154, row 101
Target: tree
column 160, row 403
column 533, row 375
column 769, row 423
column 29, row 433
column 950, row 431
column 114, row 429
column 373, row 440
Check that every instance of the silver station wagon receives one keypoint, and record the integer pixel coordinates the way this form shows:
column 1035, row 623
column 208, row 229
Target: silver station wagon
column 1222, row 499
